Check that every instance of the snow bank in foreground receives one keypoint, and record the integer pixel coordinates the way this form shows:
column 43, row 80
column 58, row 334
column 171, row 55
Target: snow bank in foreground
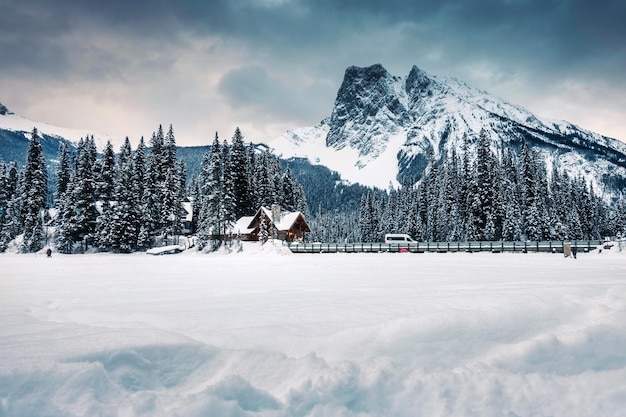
column 313, row 335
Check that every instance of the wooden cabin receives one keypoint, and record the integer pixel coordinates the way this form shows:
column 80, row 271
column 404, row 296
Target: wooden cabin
column 288, row 226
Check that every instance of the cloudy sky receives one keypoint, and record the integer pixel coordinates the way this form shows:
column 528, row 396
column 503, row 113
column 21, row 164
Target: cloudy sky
column 124, row 67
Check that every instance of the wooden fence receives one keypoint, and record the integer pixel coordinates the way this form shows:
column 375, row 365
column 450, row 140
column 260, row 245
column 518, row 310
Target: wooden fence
column 442, row 247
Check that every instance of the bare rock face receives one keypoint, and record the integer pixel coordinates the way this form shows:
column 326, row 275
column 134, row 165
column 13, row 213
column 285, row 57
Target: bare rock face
column 3, row 109
column 424, row 116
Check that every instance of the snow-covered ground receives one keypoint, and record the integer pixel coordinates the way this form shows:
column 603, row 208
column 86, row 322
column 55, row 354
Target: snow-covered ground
column 267, row 333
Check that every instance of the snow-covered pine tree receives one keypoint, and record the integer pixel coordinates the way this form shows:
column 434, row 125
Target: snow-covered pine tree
column 63, row 171
column 389, row 218
column 170, row 188
column 485, row 184
column 139, row 170
column 264, row 182
column 143, row 197
column 300, row 199
column 211, row 190
column 125, row 219
column 288, row 193
column 365, row 218
column 264, row 234
column 228, row 208
column 169, row 149
column 181, row 189
column 34, row 194
column 466, row 178
column 82, row 203
column 105, row 177
column 238, row 167
column 152, row 198
column 511, row 226
column 445, row 200
column 196, row 202
column 105, row 188
column 9, row 204
column 452, row 192
column 253, row 177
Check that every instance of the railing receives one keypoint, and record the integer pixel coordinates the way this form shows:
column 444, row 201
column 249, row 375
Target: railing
column 420, row 247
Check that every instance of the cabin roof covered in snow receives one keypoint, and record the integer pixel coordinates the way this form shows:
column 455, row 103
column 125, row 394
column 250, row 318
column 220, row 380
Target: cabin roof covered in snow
column 243, row 225
column 287, row 219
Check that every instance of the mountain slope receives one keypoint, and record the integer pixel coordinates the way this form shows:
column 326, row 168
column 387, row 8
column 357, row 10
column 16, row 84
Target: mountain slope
column 383, row 127
column 15, row 133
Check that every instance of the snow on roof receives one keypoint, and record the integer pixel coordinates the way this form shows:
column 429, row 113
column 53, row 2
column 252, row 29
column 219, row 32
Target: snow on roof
column 287, row 220
column 241, row 226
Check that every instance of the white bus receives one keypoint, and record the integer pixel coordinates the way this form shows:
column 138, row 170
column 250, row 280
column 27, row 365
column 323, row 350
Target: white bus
column 397, row 238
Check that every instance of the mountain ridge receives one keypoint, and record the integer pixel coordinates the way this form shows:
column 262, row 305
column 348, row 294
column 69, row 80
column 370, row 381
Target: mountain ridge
column 384, row 127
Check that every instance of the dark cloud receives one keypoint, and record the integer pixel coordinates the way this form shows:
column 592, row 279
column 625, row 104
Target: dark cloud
column 270, row 54
column 553, row 31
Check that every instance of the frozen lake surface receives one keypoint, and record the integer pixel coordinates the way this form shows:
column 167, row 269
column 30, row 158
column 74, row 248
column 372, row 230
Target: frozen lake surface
column 262, row 333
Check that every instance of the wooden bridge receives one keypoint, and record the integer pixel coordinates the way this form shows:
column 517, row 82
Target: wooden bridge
column 442, row 247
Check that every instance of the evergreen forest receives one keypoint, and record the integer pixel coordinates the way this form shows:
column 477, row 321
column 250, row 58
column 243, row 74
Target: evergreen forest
column 135, row 199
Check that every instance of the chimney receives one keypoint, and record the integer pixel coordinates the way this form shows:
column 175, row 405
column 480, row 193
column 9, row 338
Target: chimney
column 275, row 213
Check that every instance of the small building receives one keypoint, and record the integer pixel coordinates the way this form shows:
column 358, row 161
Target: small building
column 187, row 217
column 288, row 226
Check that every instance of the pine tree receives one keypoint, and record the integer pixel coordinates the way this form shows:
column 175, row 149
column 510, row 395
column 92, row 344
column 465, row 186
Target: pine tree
column 228, row 206
column 105, row 188
column 34, row 192
column 125, row 219
column 81, row 205
column 9, row 204
column 263, row 232
column 63, row 172
column 288, row 191
column 211, row 190
column 170, row 188
column 105, row 177
column 484, row 186
column 152, row 198
column 139, row 170
column 265, row 190
column 144, row 198
column 238, row 169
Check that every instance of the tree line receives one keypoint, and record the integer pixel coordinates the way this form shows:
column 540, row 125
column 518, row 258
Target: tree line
column 480, row 195
column 133, row 199
column 488, row 196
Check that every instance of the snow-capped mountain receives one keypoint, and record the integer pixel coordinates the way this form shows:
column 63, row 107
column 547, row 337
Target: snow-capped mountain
column 384, row 127
column 14, row 123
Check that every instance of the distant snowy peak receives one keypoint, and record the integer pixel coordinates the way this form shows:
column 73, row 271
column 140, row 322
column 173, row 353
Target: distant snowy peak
column 383, row 127
column 15, row 123
column 4, row 110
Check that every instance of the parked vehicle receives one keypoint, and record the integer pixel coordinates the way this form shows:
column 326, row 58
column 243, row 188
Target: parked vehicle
column 397, row 238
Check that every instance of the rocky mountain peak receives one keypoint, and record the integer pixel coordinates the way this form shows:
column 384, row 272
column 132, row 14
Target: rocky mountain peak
column 384, row 128
column 4, row 110
column 418, row 82
column 367, row 97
